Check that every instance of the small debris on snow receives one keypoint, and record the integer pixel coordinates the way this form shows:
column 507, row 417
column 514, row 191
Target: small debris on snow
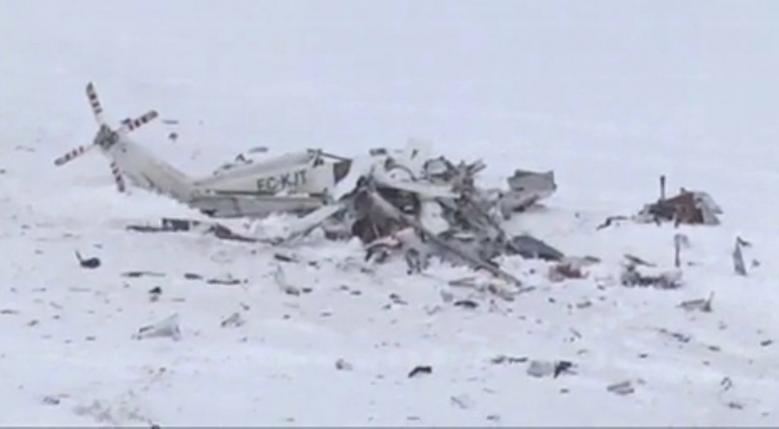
column 726, row 384
column 136, row 274
column 584, row 304
column 738, row 258
column 343, row 365
column 631, row 277
column 532, row 248
column 682, row 338
column 396, row 299
column 622, row 388
column 609, row 220
column 501, row 359
column 234, row 320
column 735, row 405
column 539, row 369
column 462, row 402
column 420, row 370
column 766, row 343
column 192, row 276
column 89, row 263
column 635, row 260
column 51, row 400
column 466, row 303
column 281, row 281
column 284, row 258
column 701, row 304
column 165, row 328
column 565, row 270
column 228, row 280
column 154, row 293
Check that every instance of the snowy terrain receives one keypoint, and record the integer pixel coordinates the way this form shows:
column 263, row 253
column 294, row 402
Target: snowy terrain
column 609, row 94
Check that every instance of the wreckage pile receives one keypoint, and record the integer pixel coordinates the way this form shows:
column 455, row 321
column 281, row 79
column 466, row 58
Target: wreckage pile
column 432, row 207
column 418, row 207
column 402, row 202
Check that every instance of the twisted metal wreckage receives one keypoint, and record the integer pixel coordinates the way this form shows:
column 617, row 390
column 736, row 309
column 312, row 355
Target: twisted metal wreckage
column 403, row 201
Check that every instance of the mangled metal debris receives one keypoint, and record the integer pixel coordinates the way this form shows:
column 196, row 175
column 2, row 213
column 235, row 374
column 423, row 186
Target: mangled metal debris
column 623, row 388
column 396, row 202
column 632, row 277
column 570, row 268
column 701, row 304
column 532, row 248
column 541, row 368
column 179, row 225
column 688, row 207
column 738, row 258
column 375, row 197
column 168, row 327
column 681, row 241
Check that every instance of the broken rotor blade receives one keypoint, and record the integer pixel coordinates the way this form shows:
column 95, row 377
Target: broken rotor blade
column 423, row 189
column 391, row 210
column 132, row 124
column 94, row 103
column 307, row 223
column 426, row 190
column 75, row 153
column 118, row 179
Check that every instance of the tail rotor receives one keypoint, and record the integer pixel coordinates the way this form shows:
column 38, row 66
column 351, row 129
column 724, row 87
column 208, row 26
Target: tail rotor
column 106, row 137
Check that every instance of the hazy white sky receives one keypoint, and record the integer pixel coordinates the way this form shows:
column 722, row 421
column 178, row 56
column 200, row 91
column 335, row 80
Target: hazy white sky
column 654, row 71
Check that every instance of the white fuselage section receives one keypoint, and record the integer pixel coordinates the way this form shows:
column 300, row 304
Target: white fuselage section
column 298, row 174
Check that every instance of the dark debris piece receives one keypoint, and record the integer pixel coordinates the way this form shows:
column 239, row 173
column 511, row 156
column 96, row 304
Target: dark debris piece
column 51, row 400
column 466, row 303
column 225, row 282
column 562, row 367
column 90, row 263
column 420, row 370
column 632, row 277
column 609, row 220
column 342, row 365
column 623, row 388
column 136, row 274
column 283, row 258
column 532, row 248
column 501, row 359
column 682, row 338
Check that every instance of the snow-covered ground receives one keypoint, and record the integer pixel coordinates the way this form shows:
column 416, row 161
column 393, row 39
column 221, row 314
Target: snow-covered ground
column 609, row 94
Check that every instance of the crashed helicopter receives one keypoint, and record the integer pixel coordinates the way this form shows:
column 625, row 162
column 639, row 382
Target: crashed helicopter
column 377, row 197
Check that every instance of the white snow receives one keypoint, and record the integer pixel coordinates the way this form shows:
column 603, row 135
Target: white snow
column 609, row 94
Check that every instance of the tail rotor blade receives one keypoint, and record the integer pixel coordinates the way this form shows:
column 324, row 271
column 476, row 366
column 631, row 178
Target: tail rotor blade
column 132, row 124
column 75, row 153
column 94, row 103
column 117, row 177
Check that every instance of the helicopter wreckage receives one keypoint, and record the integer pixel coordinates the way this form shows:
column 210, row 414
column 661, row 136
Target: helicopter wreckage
column 397, row 202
